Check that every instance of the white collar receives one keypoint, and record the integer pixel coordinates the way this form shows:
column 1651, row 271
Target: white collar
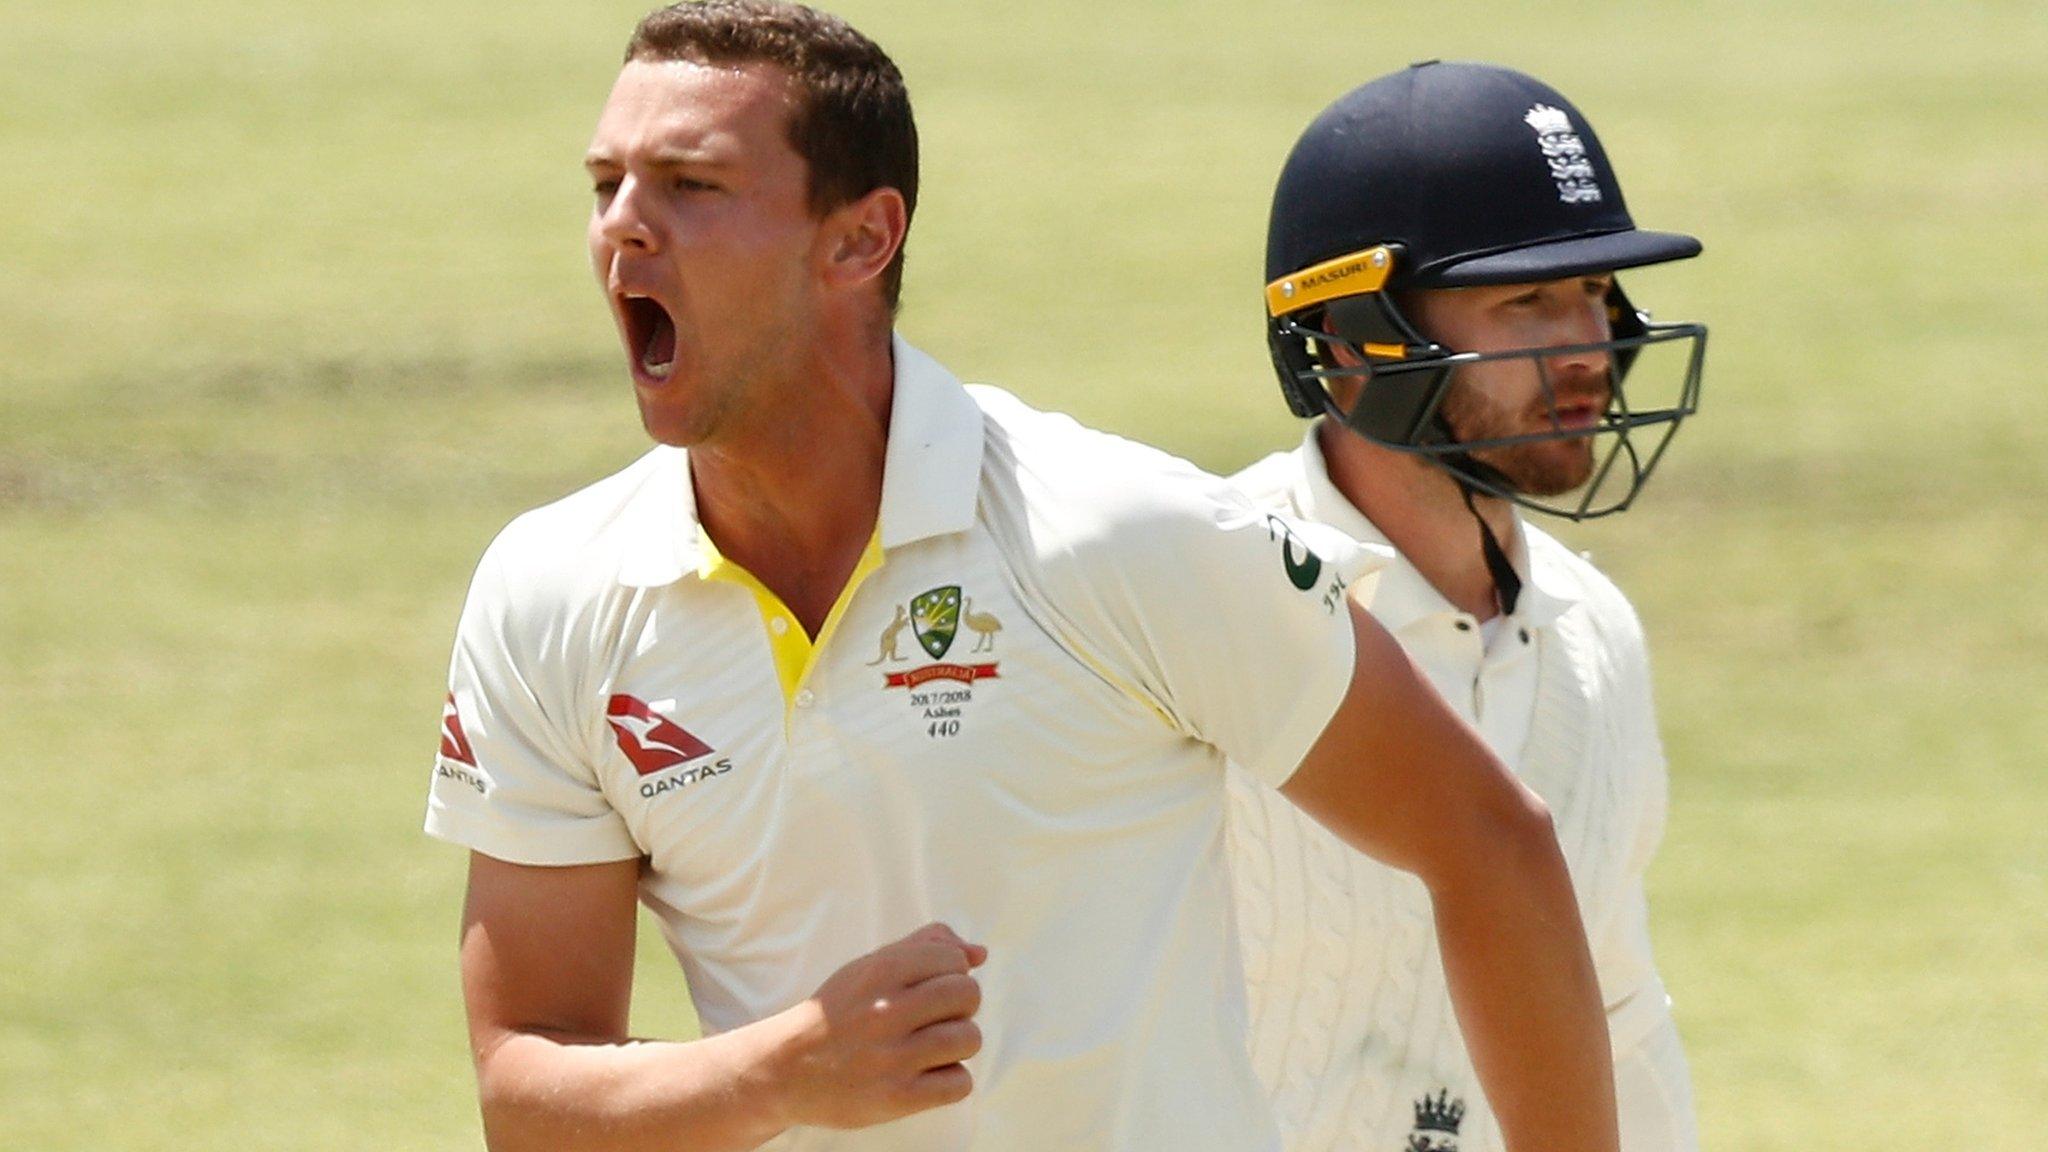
column 1405, row 595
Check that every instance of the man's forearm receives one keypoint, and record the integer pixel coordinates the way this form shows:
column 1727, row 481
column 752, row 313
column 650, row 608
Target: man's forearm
column 1527, row 999
column 885, row 1036
column 1399, row 776
column 547, row 1094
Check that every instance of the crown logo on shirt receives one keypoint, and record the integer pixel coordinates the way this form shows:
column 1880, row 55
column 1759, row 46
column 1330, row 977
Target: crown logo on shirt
column 1436, row 1123
column 1439, row 1113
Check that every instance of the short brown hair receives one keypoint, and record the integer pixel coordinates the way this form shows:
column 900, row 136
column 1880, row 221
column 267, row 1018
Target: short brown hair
column 852, row 122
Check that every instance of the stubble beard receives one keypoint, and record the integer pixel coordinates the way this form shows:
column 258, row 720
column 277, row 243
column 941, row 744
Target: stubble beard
column 1536, row 468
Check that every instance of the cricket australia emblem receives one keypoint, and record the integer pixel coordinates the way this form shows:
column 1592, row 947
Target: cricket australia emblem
column 1436, row 1123
column 935, row 618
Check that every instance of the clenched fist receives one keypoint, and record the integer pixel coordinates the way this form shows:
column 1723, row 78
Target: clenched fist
column 885, row 1035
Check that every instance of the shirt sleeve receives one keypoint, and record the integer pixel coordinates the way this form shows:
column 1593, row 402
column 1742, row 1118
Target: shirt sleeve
column 1653, row 1094
column 1228, row 620
column 1646, row 746
column 1619, row 927
column 512, row 779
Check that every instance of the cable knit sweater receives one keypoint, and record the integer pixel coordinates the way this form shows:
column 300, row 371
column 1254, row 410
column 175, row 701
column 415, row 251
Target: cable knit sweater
column 1352, row 1032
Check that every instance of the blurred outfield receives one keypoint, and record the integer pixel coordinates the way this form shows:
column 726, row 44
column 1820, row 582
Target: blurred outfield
column 293, row 316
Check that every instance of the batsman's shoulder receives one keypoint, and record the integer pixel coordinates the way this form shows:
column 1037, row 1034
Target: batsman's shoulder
column 1270, row 482
column 1604, row 606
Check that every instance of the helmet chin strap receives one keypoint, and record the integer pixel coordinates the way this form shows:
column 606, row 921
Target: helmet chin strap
column 1507, row 583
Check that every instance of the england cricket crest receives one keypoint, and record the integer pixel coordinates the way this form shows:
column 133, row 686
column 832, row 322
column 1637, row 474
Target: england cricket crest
column 935, row 618
column 1436, row 1123
column 1570, row 164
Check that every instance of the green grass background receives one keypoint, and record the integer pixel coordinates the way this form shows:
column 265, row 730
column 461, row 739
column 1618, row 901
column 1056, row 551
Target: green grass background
column 294, row 314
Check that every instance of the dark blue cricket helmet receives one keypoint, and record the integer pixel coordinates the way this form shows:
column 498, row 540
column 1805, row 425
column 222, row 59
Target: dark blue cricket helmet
column 1447, row 175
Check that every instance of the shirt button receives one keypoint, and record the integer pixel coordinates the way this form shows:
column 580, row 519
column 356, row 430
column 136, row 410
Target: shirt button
column 778, row 625
column 804, row 698
column 1525, row 635
column 1464, row 625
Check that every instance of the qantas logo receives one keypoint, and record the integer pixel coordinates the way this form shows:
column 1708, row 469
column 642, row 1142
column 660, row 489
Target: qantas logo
column 454, row 743
column 650, row 740
column 457, row 761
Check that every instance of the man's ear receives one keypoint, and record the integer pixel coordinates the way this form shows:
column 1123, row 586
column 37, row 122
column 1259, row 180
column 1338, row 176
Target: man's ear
column 861, row 237
column 1336, row 353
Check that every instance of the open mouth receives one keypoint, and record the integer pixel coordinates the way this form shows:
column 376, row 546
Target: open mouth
column 650, row 335
column 1576, row 412
column 1583, row 414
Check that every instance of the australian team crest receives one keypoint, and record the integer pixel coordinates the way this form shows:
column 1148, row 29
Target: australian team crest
column 936, row 616
column 935, row 619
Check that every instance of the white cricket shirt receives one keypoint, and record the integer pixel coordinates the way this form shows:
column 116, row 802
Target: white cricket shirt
column 1014, row 720
column 1352, row 1031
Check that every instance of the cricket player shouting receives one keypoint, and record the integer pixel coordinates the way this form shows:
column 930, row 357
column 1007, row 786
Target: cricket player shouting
column 957, row 889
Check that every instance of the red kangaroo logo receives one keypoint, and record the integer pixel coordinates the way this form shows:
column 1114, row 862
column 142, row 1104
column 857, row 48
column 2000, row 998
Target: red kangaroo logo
column 454, row 744
column 650, row 740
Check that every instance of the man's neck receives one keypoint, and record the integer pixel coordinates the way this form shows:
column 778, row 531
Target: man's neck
column 1421, row 511
column 795, row 500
